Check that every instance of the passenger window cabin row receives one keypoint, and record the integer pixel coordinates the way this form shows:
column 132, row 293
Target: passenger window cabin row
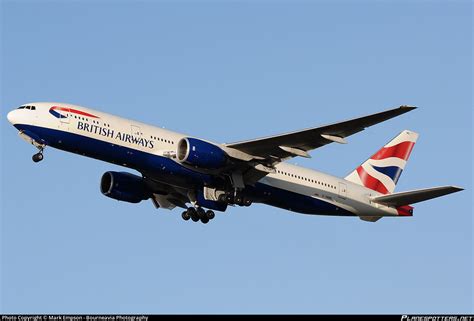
column 93, row 121
column 162, row 140
column 307, row 179
column 108, row 125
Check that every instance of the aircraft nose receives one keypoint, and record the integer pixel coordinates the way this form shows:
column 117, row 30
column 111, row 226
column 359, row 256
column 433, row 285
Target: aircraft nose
column 11, row 117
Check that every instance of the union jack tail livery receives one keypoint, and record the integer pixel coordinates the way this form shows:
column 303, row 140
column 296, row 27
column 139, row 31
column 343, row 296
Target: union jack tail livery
column 383, row 169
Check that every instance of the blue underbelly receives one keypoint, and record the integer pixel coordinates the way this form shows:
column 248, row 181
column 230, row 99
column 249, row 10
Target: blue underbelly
column 293, row 201
column 162, row 168
column 168, row 171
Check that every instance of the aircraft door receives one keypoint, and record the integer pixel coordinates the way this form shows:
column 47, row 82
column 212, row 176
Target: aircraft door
column 136, row 134
column 136, row 131
column 342, row 190
column 64, row 118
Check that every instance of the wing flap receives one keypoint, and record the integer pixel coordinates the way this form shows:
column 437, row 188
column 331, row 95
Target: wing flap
column 411, row 197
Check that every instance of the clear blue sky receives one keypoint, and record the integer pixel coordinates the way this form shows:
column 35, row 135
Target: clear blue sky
column 228, row 71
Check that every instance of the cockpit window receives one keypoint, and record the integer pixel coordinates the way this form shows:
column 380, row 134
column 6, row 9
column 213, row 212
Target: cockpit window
column 27, row 107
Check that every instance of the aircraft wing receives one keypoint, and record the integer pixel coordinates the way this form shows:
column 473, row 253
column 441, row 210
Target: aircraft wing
column 165, row 196
column 300, row 142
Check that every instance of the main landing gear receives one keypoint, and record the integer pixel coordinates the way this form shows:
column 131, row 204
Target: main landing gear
column 197, row 214
column 38, row 157
column 235, row 198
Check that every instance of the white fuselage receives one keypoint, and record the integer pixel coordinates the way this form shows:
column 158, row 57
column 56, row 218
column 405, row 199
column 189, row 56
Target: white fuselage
column 137, row 136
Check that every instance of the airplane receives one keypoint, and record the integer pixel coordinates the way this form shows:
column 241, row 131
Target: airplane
column 200, row 176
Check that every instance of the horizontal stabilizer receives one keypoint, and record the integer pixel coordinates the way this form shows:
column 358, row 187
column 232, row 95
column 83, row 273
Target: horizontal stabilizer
column 411, row 197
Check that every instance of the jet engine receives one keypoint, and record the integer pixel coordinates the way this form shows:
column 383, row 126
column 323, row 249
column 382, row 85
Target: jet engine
column 124, row 187
column 201, row 154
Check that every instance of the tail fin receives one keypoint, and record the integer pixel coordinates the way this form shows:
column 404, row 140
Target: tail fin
column 382, row 171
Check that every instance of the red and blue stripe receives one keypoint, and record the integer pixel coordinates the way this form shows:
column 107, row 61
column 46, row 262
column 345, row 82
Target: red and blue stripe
column 401, row 151
column 54, row 111
column 371, row 182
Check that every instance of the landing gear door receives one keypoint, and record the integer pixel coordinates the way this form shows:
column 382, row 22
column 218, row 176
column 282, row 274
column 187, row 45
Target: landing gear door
column 342, row 190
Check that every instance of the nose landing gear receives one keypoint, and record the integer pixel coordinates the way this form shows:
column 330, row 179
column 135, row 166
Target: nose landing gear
column 38, row 157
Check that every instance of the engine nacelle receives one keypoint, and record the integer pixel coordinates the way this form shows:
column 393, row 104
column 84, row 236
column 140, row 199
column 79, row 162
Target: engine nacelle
column 124, row 187
column 201, row 154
